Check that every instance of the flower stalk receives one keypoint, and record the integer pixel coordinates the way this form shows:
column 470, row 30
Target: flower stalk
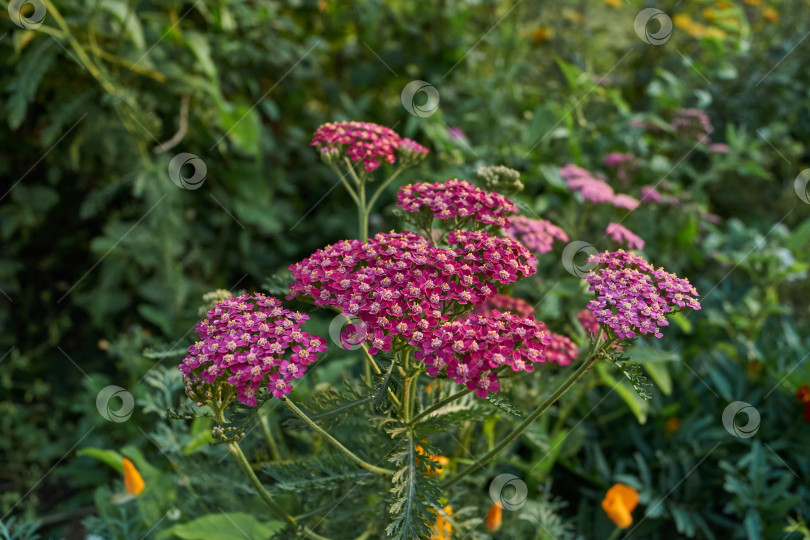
column 334, row 442
column 530, row 419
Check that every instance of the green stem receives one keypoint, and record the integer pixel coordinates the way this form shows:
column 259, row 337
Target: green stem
column 382, row 187
column 334, row 442
column 529, row 420
column 248, row 470
column 438, row 405
column 347, row 186
column 271, row 441
column 615, row 534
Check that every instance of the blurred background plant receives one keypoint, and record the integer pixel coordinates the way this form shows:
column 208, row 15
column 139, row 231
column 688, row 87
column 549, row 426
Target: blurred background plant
column 105, row 259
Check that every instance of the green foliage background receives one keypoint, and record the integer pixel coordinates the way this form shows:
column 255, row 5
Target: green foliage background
column 104, row 257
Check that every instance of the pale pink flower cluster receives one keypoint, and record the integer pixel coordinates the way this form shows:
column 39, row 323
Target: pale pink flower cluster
column 623, row 235
column 251, row 342
column 632, row 297
column 456, row 199
column 594, row 189
column 536, row 234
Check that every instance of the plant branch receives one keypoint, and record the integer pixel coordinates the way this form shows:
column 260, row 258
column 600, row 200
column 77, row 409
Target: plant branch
column 438, row 405
column 529, row 420
column 334, row 442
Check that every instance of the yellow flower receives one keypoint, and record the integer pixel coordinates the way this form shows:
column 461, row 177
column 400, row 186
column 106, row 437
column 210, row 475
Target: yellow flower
column 770, row 14
column 673, row 424
column 618, row 504
column 709, row 13
column 753, row 2
column 494, row 517
column 614, row 3
column 132, row 478
column 442, row 528
column 713, row 32
column 683, row 21
column 723, row 4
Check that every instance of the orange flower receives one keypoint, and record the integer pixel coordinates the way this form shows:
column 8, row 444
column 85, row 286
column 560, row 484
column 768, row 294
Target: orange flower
column 673, row 424
column 132, row 478
column 770, row 14
column 723, row 4
column 494, row 517
column 618, row 504
column 442, row 461
column 614, row 3
column 803, row 393
column 442, row 528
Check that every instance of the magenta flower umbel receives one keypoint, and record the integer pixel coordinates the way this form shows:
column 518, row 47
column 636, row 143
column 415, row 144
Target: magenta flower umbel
column 401, row 286
column 362, row 142
column 623, row 235
column 536, row 234
column 469, row 351
column 456, row 199
column 251, row 342
column 632, row 297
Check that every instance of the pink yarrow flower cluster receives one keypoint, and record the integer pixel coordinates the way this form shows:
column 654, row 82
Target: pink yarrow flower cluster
column 469, row 351
column 456, row 199
column 501, row 303
column 621, row 234
column 594, row 189
column 364, row 142
column 251, row 342
column 561, row 349
column 591, row 188
column 536, row 234
column 692, row 123
column 632, row 297
column 401, row 286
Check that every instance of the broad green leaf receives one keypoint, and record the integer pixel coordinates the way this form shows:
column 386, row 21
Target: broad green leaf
column 222, row 527
column 198, row 43
column 660, row 375
column 118, row 8
column 242, row 126
column 110, row 457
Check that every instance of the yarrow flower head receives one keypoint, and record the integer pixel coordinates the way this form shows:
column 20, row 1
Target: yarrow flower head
column 411, row 152
column 363, row 142
column 561, row 349
column 627, row 202
column 650, row 194
column 400, row 285
column 536, row 234
column 250, row 342
column 503, row 303
column 632, row 297
column 469, row 351
column 456, row 199
column 591, row 188
column 693, row 123
column 621, row 234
